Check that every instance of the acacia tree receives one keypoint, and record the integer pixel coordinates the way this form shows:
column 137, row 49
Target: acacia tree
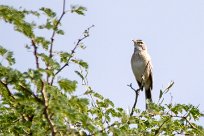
column 40, row 102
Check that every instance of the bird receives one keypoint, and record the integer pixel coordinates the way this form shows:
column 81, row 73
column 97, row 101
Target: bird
column 142, row 68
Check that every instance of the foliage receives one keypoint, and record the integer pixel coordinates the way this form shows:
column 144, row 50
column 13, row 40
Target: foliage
column 31, row 103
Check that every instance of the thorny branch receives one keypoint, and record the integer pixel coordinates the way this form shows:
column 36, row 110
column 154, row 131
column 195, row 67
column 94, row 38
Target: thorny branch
column 86, row 34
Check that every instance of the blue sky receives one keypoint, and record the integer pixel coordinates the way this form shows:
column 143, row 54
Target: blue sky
column 173, row 31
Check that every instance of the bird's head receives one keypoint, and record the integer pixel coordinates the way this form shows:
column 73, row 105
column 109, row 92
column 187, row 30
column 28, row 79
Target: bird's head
column 139, row 44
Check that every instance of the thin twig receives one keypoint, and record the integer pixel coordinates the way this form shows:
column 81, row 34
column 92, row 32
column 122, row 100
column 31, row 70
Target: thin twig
column 35, row 54
column 53, row 35
column 136, row 97
column 72, row 53
column 55, row 29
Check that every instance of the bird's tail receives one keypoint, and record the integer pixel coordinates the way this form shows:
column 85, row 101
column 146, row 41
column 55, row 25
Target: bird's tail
column 148, row 96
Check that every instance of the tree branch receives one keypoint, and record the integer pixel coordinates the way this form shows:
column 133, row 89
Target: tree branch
column 53, row 34
column 136, row 97
column 35, row 54
column 86, row 34
column 46, row 111
column 7, row 89
column 55, row 29
column 31, row 93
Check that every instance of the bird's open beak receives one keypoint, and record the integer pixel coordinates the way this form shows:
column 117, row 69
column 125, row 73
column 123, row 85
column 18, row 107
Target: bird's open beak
column 133, row 41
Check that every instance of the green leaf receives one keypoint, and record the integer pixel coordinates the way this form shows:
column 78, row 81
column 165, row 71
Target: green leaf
column 109, row 102
column 160, row 94
column 61, row 32
column 17, row 18
column 78, row 9
column 79, row 74
column 42, row 41
column 81, row 63
column 54, row 65
column 35, row 13
column 64, row 56
column 48, row 25
column 169, row 87
column 48, row 12
column 97, row 95
column 55, row 22
column 89, row 91
column 67, row 85
column 8, row 55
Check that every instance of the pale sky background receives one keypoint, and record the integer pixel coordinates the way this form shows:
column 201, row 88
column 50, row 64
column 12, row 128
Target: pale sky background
column 172, row 29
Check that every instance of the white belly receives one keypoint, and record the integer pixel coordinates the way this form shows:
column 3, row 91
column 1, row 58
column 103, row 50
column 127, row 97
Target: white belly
column 138, row 68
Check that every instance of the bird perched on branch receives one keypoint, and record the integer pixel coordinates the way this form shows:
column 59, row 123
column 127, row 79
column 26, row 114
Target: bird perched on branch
column 142, row 68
